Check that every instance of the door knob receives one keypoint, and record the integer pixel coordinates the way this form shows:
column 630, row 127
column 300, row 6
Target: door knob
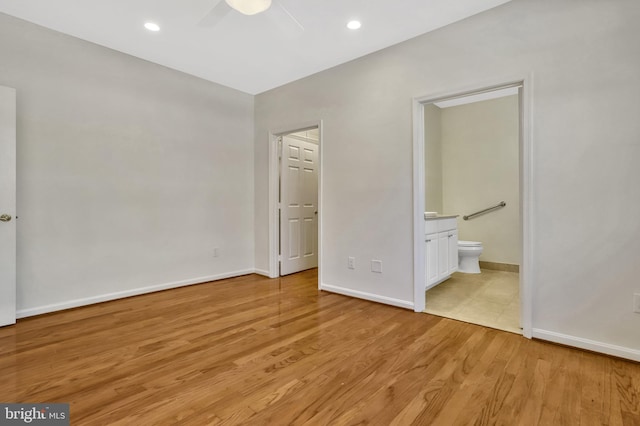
column 5, row 218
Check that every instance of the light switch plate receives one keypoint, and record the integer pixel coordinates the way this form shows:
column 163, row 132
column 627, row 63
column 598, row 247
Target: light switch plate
column 636, row 303
column 376, row 266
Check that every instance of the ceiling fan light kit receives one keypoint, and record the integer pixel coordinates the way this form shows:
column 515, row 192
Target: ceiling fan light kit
column 249, row 7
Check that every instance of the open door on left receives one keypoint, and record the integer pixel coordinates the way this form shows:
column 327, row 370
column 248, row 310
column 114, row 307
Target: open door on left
column 299, row 205
column 7, row 206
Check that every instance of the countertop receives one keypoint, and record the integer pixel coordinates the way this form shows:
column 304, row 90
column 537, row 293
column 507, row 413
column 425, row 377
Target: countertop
column 442, row 217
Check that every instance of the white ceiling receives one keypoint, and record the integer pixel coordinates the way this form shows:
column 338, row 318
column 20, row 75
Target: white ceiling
column 249, row 53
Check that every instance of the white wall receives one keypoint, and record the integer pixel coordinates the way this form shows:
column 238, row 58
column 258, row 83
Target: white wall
column 129, row 174
column 480, row 168
column 433, row 158
column 584, row 60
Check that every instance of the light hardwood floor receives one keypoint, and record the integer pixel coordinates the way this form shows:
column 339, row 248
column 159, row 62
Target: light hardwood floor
column 250, row 350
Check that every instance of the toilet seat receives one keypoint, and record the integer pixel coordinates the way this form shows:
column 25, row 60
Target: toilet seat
column 462, row 243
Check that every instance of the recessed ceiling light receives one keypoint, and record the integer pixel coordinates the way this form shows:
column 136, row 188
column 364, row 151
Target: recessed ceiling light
column 354, row 25
column 151, row 26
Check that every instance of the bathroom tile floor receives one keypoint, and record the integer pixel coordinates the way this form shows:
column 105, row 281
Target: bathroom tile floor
column 491, row 299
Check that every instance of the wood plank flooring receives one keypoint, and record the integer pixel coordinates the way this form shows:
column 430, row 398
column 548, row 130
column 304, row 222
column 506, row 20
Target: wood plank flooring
column 250, row 350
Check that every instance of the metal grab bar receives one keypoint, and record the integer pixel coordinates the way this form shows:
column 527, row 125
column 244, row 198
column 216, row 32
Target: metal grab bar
column 472, row 215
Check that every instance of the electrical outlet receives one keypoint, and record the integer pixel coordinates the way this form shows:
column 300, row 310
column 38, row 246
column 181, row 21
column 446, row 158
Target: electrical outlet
column 215, row 252
column 636, row 303
column 351, row 263
column 376, row 266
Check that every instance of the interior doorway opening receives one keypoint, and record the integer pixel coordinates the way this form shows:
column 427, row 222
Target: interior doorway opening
column 295, row 199
column 472, row 174
column 426, row 201
column 298, row 201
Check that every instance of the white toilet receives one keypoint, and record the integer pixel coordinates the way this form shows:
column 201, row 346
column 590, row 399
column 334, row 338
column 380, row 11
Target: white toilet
column 468, row 256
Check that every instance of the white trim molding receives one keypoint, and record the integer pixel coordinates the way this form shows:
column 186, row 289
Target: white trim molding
column 590, row 345
column 367, row 296
column 262, row 272
column 75, row 303
column 419, row 266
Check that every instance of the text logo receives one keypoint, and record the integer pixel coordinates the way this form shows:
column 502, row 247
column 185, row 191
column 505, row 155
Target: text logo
column 34, row 414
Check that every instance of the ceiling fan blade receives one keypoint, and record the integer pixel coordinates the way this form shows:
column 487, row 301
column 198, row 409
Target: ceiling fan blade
column 215, row 15
column 284, row 19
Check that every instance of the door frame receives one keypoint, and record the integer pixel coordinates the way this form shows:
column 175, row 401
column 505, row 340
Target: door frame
column 8, row 306
column 274, row 177
column 526, row 188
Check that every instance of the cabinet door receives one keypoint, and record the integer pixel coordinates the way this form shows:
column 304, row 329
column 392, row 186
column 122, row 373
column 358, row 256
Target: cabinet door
column 453, row 251
column 431, row 252
column 443, row 254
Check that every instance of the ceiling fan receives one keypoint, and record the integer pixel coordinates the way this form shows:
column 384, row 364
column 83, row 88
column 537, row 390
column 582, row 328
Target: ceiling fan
column 248, row 7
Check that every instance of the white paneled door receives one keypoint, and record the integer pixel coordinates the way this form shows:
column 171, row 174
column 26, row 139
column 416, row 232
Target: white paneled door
column 7, row 206
column 298, row 206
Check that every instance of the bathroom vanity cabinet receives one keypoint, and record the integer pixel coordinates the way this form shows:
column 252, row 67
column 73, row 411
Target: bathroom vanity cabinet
column 441, row 251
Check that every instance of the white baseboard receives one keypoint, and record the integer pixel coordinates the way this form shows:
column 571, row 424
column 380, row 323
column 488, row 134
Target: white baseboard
column 367, row 296
column 23, row 313
column 591, row 345
column 262, row 272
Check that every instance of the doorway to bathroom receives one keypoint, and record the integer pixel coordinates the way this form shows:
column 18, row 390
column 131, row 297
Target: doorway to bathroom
column 474, row 153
